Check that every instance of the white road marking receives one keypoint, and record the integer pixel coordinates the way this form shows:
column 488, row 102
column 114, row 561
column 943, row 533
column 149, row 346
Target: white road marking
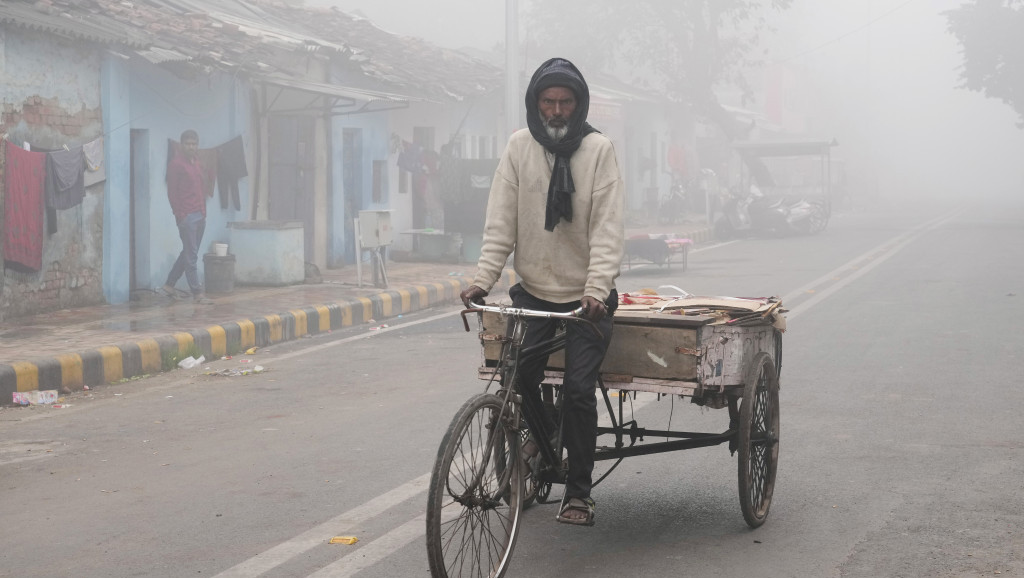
column 375, row 551
column 692, row 252
column 713, row 246
column 873, row 258
column 342, row 524
column 380, row 548
column 345, row 340
column 17, row 451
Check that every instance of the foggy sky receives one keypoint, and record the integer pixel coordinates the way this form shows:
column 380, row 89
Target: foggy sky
column 886, row 90
column 892, row 90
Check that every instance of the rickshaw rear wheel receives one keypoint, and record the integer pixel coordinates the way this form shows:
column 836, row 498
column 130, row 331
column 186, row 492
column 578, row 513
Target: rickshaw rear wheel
column 758, row 439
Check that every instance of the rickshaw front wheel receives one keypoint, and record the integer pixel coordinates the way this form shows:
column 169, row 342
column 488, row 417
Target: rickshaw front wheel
column 475, row 499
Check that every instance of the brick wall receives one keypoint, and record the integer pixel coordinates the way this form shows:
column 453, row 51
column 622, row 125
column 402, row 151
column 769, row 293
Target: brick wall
column 71, row 275
column 48, row 113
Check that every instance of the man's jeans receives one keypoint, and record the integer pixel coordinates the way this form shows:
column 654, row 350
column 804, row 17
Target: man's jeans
column 191, row 230
column 584, row 352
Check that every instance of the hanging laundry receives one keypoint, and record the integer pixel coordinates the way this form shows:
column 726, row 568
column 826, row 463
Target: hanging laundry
column 230, row 168
column 208, row 161
column 24, row 179
column 411, row 157
column 95, row 170
column 65, row 186
column 65, row 183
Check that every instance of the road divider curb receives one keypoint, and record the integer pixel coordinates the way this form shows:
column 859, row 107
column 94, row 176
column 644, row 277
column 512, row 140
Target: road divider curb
column 112, row 363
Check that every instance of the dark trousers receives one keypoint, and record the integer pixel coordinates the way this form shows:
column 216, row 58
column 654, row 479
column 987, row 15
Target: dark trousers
column 191, row 230
column 584, row 352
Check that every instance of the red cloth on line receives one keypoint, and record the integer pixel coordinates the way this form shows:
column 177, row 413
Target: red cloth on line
column 24, row 180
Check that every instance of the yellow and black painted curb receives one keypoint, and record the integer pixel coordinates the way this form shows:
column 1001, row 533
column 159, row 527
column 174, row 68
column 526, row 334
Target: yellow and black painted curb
column 113, row 363
column 110, row 364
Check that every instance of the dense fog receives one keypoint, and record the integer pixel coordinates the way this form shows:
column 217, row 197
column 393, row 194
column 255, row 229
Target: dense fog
column 879, row 76
column 886, row 74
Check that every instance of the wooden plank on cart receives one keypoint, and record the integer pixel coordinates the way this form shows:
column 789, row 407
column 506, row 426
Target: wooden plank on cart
column 662, row 386
column 644, row 344
column 676, row 346
column 625, row 383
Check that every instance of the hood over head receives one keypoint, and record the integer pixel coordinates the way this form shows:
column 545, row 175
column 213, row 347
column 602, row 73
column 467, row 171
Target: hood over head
column 559, row 72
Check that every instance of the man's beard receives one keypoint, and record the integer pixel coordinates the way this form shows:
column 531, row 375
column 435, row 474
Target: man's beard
column 555, row 133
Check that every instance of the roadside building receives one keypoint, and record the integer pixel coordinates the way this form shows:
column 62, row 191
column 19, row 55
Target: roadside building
column 320, row 115
column 320, row 122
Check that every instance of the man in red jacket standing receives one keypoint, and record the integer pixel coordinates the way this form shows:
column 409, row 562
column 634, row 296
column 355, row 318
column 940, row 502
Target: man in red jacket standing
column 188, row 202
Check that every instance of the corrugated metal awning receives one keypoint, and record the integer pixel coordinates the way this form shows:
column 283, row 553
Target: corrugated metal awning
column 96, row 29
column 600, row 92
column 158, row 55
column 292, row 96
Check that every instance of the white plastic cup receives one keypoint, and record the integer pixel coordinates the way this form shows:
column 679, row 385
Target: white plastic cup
column 220, row 249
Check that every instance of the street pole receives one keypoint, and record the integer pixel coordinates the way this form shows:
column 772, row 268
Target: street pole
column 512, row 98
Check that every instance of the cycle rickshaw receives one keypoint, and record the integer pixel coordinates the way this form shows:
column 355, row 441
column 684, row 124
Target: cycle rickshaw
column 721, row 352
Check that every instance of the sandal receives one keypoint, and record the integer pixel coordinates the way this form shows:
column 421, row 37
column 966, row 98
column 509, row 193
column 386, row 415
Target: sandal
column 169, row 291
column 585, row 505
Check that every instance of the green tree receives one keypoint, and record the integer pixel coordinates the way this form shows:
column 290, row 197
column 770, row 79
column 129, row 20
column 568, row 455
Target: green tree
column 682, row 48
column 991, row 35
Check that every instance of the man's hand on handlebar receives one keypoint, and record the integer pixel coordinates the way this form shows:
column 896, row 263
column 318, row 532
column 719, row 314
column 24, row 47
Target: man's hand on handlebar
column 471, row 295
column 593, row 309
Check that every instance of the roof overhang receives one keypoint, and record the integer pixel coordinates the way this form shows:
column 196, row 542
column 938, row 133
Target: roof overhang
column 97, row 29
column 293, row 96
column 599, row 92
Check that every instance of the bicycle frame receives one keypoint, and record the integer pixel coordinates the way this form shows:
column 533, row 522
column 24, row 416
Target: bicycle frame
column 513, row 356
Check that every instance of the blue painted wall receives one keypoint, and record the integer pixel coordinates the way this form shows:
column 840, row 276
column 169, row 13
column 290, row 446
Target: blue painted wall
column 116, row 115
column 47, row 66
column 376, row 142
column 162, row 106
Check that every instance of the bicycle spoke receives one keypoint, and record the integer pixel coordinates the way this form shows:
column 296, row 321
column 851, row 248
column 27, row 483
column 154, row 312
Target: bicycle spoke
column 473, row 507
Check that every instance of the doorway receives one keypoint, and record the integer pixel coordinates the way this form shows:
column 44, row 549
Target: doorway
column 291, row 174
column 138, row 210
column 352, row 185
column 422, row 203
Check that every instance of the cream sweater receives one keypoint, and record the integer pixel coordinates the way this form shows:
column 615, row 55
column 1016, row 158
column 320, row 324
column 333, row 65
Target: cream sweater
column 576, row 259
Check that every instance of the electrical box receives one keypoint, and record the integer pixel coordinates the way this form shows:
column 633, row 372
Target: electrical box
column 375, row 229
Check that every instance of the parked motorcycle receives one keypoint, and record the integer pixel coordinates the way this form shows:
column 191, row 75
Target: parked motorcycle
column 756, row 212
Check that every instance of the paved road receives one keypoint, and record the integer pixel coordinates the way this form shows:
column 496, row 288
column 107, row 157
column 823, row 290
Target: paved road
column 901, row 448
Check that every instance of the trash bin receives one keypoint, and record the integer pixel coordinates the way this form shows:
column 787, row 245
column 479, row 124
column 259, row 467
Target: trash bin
column 219, row 272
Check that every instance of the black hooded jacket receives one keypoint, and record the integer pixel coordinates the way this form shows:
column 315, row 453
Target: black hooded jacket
column 559, row 72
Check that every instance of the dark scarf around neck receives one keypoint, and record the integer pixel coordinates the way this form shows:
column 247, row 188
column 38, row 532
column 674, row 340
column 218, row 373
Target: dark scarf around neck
column 559, row 72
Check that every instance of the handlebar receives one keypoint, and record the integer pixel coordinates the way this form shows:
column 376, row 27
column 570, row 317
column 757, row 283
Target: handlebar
column 575, row 314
